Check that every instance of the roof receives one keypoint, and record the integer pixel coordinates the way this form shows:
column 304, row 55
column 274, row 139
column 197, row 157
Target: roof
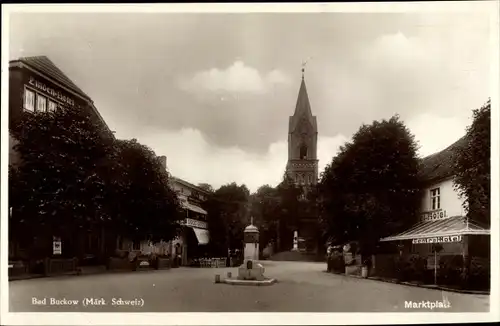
column 193, row 208
column 251, row 228
column 440, row 165
column 44, row 66
column 302, row 108
column 189, row 184
column 453, row 226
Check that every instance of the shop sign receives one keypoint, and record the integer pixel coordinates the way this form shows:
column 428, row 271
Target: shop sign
column 50, row 91
column 447, row 239
column 195, row 223
column 56, row 246
column 434, row 215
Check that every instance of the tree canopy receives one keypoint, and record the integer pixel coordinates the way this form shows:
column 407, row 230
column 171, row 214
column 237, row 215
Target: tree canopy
column 372, row 188
column 228, row 210
column 72, row 175
column 277, row 212
column 207, row 187
column 472, row 166
column 140, row 194
column 58, row 186
column 265, row 207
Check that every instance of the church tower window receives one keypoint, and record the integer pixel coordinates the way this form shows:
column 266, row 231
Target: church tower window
column 303, row 152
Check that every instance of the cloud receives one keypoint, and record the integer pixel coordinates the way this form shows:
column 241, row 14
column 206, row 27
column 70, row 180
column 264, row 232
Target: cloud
column 237, row 78
column 435, row 133
column 191, row 157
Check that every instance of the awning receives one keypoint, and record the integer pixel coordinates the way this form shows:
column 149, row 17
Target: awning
column 202, row 235
column 194, row 208
column 449, row 229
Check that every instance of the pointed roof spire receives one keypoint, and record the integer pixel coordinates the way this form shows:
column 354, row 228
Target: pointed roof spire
column 303, row 105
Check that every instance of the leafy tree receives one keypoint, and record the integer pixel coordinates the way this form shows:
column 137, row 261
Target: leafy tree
column 58, row 186
column 290, row 208
column 371, row 188
column 207, row 187
column 228, row 210
column 265, row 208
column 472, row 166
column 141, row 198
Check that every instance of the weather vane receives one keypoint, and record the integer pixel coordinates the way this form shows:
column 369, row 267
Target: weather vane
column 304, row 63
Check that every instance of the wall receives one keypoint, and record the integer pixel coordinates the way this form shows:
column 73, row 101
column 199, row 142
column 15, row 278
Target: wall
column 184, row 191
column 14, row 157
column 15, row 94
column 451, row 205
column 450, row 199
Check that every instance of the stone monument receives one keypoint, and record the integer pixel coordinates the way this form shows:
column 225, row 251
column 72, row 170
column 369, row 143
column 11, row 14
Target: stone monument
column 250, row 272
column 295, row 241
column 251, row 239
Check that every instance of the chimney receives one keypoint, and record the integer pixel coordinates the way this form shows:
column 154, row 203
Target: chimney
column 163, row 161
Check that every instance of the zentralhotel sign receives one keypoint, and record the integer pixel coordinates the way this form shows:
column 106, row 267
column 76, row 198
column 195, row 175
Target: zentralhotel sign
column 50, row 91
column 194, row 223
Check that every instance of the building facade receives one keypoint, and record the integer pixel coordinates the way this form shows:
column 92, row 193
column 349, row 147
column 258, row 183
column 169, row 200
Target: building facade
column 302, row 165
column 443, row 221
column 194, row 234
column 36, row 84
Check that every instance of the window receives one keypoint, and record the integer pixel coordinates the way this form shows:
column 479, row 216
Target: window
column 435, row 199
column 303, row 152
column 41, row 103
column 52, row 106
column 29, row 100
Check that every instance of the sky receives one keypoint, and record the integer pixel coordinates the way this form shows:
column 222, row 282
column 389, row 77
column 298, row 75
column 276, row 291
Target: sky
column 213, row 92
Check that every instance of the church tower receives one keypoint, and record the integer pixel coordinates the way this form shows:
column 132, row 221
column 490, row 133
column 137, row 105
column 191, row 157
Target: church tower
column 302, row 164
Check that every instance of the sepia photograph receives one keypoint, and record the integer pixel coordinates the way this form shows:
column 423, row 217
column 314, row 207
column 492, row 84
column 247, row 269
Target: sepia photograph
column 237, row 159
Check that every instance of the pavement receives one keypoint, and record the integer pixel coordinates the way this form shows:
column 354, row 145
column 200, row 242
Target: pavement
column 301, row 287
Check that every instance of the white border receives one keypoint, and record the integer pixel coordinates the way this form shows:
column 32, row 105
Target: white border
column 251, row 318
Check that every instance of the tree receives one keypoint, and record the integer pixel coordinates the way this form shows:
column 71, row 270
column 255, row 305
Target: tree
column 289, row 199
column 472, row 166
column 146, row 206
column 228, row 210
column 58, row 186
column 372, row 188
column 265, row 208
column 207, row 187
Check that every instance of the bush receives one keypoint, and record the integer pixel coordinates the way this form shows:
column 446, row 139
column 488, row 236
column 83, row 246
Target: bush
column 411, row 268
column 479, row 274
column 336, row 263
column 450, row 270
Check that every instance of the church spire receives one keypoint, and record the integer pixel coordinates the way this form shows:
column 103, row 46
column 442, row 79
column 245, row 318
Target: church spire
column 303, row 105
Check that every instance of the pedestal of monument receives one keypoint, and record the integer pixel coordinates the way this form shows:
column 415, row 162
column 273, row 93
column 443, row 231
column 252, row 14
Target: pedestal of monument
column 251, row 272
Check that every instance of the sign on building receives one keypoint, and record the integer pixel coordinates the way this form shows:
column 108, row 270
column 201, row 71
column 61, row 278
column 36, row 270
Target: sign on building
column 434, row 215
column 453, row 238
column 56, row 246
column 195, row 223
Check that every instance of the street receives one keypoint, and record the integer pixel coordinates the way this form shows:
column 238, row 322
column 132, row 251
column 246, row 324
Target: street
column 301, row 287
